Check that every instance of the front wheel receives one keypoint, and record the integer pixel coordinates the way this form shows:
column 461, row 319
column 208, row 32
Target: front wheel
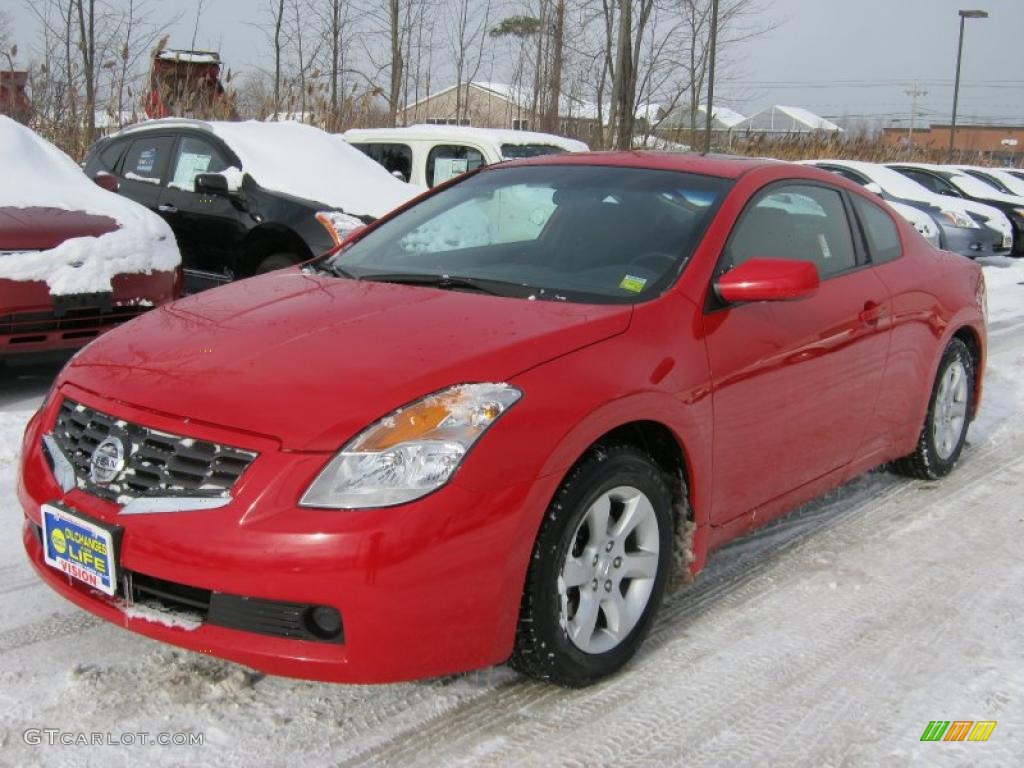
column 949, row 415
column 599, row 569
column 277, row 261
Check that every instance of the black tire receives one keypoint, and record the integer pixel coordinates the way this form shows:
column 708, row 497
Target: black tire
column 543, row 647
column 929, row 461
column 276, row 261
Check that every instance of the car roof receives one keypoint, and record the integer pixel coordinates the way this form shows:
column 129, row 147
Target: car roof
column 166, row 122
column 493, row 136
column 725, row 166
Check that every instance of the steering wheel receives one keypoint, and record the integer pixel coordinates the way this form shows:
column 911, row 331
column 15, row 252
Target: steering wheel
column 656, row 261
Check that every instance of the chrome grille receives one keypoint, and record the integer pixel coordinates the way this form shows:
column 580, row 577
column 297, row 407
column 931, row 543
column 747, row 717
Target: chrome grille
column 156, row 464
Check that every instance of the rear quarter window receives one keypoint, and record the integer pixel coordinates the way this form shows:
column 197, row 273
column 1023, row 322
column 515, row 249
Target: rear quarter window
column 879, row 230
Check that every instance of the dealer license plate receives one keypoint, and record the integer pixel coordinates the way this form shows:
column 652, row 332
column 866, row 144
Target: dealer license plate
column 1007, row 241
column 83, row 549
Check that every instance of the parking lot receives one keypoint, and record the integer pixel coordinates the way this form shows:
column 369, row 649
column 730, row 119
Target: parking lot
column 831, row 637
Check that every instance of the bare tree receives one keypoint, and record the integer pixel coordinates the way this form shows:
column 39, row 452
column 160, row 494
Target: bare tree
column 277, row 15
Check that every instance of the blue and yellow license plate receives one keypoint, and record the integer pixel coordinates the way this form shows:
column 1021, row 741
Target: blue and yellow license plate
column 83, row 549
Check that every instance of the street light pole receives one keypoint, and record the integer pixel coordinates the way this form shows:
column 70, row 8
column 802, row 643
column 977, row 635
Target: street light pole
column 711, row 76
column 964, row 15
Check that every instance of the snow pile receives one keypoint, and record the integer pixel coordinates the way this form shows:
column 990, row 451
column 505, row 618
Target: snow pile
column 306, row 162
column 47, row 178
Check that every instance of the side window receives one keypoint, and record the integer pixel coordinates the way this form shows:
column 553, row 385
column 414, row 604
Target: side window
column 931, row 183
column 394, row 157
column 147, row 159
column 846, row 173
column 111, row 154
column 445, row 161
column 195, row 156
column 882, row 235
column 795, row 221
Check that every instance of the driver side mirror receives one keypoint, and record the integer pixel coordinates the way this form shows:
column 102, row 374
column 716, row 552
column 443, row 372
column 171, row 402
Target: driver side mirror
column 768, row 280
column 399, row 175
column 107, row 181
column 211, row 183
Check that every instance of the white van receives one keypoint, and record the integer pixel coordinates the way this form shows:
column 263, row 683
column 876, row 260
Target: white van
column 427, row 155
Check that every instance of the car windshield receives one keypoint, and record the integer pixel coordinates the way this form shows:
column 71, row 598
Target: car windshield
column 599, row 234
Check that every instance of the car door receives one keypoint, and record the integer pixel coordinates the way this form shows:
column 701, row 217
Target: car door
column 794, row 384
column 143, row 169
column 209, row 227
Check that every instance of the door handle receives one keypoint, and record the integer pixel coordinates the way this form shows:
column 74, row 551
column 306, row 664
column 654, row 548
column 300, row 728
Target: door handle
column 872, row 313
column 167, row 208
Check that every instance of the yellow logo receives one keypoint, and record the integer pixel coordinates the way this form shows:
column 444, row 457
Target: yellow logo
column 58, row 541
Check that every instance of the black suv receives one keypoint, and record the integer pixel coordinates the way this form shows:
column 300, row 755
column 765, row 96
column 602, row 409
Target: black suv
column 227, row 225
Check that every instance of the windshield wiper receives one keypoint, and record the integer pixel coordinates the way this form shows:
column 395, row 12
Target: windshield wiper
column 438, row 281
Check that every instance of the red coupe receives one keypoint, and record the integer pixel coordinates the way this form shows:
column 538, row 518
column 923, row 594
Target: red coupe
column 495, row 424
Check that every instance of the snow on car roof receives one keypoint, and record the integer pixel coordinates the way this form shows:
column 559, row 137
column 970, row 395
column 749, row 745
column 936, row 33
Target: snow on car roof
column 304, row 161
column 47, row 178
column 496, row 136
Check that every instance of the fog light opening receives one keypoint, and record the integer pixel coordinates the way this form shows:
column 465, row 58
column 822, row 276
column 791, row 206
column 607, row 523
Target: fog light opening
column 323, row 622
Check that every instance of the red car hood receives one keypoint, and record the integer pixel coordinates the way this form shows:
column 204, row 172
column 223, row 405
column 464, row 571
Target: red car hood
column 313, row 360
column 39, row 229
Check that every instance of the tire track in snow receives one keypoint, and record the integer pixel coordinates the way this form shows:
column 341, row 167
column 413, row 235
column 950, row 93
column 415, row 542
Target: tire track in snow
column 57, row 625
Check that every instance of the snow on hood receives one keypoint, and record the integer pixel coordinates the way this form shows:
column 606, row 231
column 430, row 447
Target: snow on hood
column 306, row 162
column 47, row 178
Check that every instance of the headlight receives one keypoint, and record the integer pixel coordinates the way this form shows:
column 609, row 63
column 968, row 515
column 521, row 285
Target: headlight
column 338, row 224
column 958, row 219
column 411, row 452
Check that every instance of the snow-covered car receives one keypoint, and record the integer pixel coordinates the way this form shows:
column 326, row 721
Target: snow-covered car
column 969, row 228
column 75, row 260
column 431, row 154
column 955, row 183
column 1003, row 179
column 246, row 198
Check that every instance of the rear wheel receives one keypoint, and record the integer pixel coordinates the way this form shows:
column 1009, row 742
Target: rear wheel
column 949, row 414
column 599, row 569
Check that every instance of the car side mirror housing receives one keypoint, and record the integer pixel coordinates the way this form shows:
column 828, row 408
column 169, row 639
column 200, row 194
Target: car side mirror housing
column 768, row 280
column 874, row 188
column 211, row 183
column 107, row 181
column 399, row 175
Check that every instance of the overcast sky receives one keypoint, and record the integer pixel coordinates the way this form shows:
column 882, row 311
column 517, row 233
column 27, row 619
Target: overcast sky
column 839, row 58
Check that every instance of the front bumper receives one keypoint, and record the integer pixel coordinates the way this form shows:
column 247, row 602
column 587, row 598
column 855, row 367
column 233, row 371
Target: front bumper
column 31, row 323
column 981, row 241
column 425, row 589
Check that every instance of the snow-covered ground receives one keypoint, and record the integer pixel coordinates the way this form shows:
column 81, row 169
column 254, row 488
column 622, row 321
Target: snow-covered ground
column 830, row 638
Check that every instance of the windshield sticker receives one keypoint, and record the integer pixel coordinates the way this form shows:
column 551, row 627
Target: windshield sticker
column 633, row 283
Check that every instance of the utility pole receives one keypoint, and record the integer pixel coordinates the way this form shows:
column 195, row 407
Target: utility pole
column 913, row 94
column 711, row 76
